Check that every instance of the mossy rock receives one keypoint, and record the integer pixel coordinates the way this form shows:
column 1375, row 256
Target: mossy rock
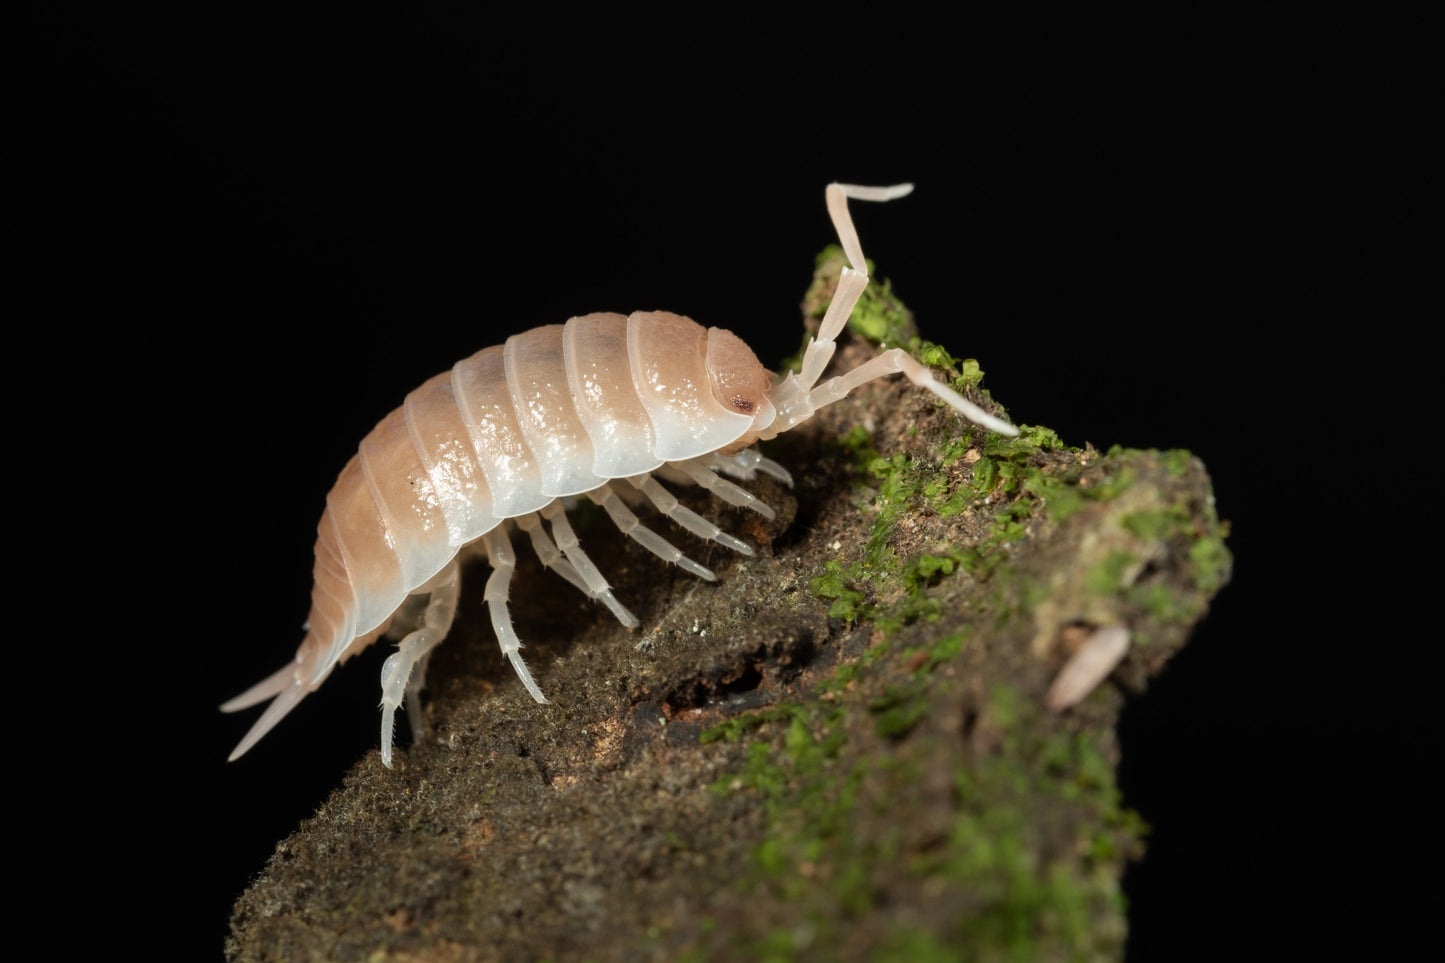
column 840, row 751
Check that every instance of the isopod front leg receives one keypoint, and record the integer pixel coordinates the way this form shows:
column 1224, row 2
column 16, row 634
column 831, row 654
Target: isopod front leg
column 397, row 681
column 665, row 502
column 699, row 474
column 628, row 525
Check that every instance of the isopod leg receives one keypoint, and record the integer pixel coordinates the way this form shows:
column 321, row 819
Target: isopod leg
column 686, row 518
column 597, row 586
column 700, row 474
column 628, row 524
column 549, row 554
column 746, row 464
column 397, row 673
column 504, row 562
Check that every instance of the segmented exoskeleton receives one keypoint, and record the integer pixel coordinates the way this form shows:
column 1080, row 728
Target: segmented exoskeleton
column 506, row 438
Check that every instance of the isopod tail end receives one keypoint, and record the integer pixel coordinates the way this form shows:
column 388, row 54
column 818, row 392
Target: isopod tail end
column 284, row 702
column 268, row 688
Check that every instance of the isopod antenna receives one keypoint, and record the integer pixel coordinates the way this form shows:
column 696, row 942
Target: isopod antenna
column 799, row 395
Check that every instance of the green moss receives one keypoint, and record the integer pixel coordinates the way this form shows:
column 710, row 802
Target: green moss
column 1114, row 483
column 1176, row 461
column 837, row 583
column 1162, row 603
column 1034, row 898
column 901, row 483
column 1009, row 526
column 1031, row 439
column 1023, row 892
column 905, row 703
column 736, row 728
column 879, row 316
column 1060, row 495
column 805, row 792
column 1108, row 576
column 898, row 710
column 1156, row 524
column 857, row 441
column 845, row 674
column 916, row 946
column 1211, row 559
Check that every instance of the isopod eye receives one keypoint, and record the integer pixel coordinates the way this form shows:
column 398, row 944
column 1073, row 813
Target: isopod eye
column 739, row 379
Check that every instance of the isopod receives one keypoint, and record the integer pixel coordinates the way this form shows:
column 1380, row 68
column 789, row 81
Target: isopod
column 509, row 436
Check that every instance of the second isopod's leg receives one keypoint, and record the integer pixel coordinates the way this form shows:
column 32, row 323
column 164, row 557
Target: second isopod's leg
column 396, row 674
column 504, row 562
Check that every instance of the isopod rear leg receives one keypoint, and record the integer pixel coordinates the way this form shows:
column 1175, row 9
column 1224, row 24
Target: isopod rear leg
column 404, row 672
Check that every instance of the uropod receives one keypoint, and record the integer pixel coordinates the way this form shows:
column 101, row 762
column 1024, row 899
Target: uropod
column 505, row 441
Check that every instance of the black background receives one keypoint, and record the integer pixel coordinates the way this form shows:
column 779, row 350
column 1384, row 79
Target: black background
column 246, row 236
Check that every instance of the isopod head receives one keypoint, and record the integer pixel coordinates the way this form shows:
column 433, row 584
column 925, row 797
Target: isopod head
column 740, row 381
